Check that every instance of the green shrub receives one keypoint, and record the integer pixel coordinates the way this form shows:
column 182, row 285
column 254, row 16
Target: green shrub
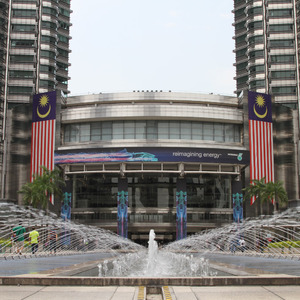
column 5, row 243
column 285, row 244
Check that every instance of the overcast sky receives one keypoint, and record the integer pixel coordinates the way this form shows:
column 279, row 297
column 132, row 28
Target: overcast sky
column 126, row 45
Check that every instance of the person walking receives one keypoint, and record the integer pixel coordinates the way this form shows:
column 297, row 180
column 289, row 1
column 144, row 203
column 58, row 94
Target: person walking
column 19, row 231
column 34, row 240
column 52, row 238
column 13, row 241
column 242, row 244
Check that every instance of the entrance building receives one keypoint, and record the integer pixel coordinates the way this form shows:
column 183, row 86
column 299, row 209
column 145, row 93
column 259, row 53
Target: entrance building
column 172, row 162
column 151, row 140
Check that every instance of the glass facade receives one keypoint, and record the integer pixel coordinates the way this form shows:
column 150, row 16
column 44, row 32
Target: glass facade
column 184, row 130
column 152, row 198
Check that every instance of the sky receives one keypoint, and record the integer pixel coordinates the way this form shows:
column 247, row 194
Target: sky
column 177, row 45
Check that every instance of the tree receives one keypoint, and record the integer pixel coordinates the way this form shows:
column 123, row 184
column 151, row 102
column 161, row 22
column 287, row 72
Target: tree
column 37, row 193
column 266, row 191
column 256, row 189
column 276, row 191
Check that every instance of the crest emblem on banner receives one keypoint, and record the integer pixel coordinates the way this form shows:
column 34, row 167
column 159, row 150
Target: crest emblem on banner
column 44, row 107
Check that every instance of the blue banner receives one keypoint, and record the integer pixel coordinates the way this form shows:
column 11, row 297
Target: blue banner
column 181, row 205
column 163, row 154
column 66, row 211
column 237, row 198
column 260, row 107
column 44, row 107
column 123, row 207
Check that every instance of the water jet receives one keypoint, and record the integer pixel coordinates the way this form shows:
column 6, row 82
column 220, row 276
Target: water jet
column 208, row 254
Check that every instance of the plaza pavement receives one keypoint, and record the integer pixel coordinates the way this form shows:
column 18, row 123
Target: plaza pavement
column 132, row 293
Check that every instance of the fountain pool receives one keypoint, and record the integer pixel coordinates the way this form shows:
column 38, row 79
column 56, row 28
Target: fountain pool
column 267, row 237
column 155, row 262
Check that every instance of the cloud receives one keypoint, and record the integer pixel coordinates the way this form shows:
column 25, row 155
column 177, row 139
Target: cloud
column 173, row 13
column 170, row 25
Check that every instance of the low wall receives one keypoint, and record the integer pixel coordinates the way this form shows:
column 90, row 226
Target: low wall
column 124, row 281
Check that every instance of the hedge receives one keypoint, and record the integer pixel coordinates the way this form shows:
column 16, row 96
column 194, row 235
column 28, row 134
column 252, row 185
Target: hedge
column 285, row 244
column 7, row 243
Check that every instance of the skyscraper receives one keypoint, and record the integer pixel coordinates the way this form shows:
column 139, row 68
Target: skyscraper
column 34, row 52
column 266, row 48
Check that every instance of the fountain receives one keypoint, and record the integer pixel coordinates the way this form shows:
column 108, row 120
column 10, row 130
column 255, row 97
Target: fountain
column 152, row 254
column 275, row 236
column 72, row 238
column 155, row 263
column 268, row 236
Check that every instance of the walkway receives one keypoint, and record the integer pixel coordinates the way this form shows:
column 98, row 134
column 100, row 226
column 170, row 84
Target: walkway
column 131, row 293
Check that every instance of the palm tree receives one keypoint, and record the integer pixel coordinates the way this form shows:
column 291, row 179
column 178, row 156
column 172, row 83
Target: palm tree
column 265, row 192
column 29, row 194
column 37, row 193
column 256, row 189
column 276, row 192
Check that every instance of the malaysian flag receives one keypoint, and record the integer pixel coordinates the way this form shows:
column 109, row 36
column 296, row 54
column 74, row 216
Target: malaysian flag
column 260, row 137
column 43, row 133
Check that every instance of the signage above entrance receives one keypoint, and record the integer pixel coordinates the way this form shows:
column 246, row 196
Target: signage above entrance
column 205, row 155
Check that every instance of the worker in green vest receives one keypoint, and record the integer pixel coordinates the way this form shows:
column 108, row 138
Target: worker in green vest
column 34, row 240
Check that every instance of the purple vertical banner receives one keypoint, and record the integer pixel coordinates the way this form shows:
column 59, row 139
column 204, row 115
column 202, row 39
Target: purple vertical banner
column 123, row 207
column 237, row 198
column 181, row 204
column 66, row 211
